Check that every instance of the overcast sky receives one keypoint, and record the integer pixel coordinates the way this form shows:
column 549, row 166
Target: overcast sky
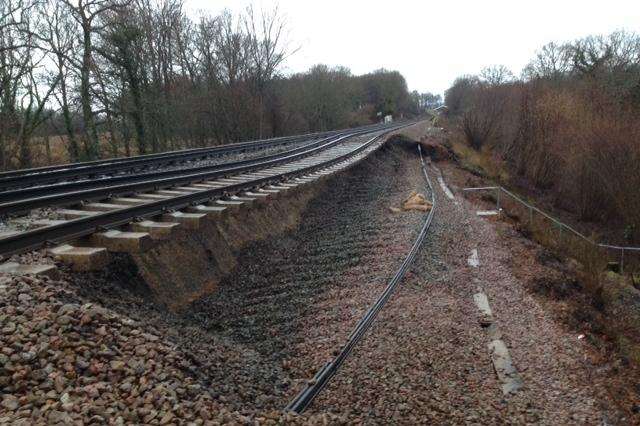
column 432, row 42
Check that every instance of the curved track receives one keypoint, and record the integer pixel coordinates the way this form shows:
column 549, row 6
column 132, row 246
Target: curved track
column 188, row 189
column 51, row 174
column 324, row 375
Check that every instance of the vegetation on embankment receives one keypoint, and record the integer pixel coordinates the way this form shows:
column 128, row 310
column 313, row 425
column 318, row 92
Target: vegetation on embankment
column 569, row 126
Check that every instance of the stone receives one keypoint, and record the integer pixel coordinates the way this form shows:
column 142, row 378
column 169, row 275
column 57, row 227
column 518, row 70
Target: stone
column 10, row 402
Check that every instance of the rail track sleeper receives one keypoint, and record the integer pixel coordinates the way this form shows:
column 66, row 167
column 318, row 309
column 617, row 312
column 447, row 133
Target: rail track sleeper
column 102, row 207
column 228, row 203
column 154, row 196
column 71, row 214
column 157, row 230
column 191, row 221
column 122, row 241
column 45, row 222
column 82, row 259
column 172, row 193
column 7, row 234
column 128, row 201
column 13, row 268
column 210, row 211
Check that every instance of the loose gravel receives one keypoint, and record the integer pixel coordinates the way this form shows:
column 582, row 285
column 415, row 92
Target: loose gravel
column 90, row 348
column 426, row 359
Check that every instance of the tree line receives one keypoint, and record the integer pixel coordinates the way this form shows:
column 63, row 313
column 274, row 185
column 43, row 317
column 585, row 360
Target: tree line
column 569, row 125
column 85, row 79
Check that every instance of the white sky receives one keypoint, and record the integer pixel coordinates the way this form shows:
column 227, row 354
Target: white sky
column 433, row 42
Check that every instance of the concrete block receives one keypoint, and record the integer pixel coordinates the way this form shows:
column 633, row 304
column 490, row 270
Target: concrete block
column 82, row 259
column 503, row 365
column 259, row 196
column 76, row 214
column 188, row 220
column 123, row 242
column 210, row 211
column 227, row 203
column 102, row 207
column 12, row 268
column 157, row 230
column 243, row 199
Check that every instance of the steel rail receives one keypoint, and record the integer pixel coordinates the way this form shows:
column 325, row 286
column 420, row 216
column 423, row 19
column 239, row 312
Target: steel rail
column 41, row 190
column 43, row 175
column 55, row 234
column 324, row 375
column 68, row 198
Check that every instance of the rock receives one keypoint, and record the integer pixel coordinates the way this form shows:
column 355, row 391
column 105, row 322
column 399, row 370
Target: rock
column 9, row 328
column 64, row 320
column 24, row 298
column 69, row 308
column 117, row 365
column 10, row 402
column 166, row 418
column 59, row 417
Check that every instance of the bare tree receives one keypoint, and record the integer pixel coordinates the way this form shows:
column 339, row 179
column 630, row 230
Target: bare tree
column 87, row 14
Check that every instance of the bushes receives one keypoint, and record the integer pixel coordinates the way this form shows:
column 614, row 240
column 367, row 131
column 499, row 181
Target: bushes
column 573, row 131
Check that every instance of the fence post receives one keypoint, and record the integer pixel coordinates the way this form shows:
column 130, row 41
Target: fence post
column 498, row 199
column 622, row 261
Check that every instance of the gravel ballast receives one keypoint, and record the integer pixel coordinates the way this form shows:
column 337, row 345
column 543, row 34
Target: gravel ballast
column 91, row 348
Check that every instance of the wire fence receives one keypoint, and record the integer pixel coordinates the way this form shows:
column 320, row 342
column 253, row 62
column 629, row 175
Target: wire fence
column 561, row 236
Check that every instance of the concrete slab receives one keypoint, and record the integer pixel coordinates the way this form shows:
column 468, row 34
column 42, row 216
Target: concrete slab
column 507, row 374
column 123, row 242
column 474, row 260
column 157, row 230
column 12, row 268
column 102, row 207
column 76, row 214
column 188, row 220
column 82, row 259
column 487, row 212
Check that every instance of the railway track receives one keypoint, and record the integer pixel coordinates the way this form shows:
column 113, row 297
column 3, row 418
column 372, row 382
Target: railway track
column 314, row 386
column 103, row 209
column 25, row 178
column 19, row 200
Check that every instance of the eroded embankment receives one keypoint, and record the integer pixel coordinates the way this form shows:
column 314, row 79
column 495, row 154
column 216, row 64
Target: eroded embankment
column 92, row 346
